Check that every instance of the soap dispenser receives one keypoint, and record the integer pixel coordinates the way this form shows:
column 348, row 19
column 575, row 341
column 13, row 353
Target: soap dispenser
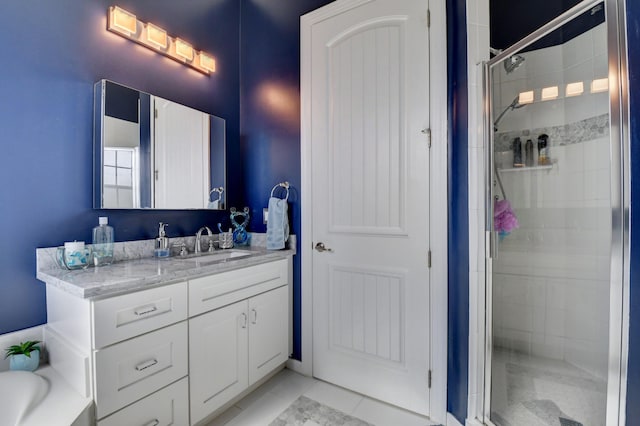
column 102, row 243
column 162, row 242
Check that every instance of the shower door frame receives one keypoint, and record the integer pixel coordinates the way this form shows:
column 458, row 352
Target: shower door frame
column 620, row 203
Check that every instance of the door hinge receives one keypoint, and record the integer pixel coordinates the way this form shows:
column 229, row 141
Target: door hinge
column 427, row 132
column 428, row 18
column 155, row 113
column 429, row 379
column 429, row 259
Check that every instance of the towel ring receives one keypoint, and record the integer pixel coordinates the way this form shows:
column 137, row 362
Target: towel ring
column 284, row 185
column 219, row 190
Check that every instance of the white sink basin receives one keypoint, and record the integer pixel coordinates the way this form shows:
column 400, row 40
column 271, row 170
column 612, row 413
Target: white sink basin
column 20, row 393
column 208, row 258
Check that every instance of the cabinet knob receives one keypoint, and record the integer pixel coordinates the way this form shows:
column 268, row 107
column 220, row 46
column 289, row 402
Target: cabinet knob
column 154, row 422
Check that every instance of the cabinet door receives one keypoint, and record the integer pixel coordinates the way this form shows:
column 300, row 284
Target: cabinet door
column 217, row 358
column 268, row 332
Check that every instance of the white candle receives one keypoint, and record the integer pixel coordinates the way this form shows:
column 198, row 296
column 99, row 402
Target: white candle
column 74, row 246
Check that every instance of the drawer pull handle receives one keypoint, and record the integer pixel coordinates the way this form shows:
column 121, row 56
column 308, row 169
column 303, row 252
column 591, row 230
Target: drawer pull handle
column 145, row 310
column 154, row 422
column 146, row 364
column 255, row 316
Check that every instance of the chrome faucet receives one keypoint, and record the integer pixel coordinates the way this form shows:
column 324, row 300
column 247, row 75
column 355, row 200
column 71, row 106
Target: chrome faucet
column 198, row 248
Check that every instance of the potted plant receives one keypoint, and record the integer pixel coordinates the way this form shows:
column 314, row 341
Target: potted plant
column 25, row 356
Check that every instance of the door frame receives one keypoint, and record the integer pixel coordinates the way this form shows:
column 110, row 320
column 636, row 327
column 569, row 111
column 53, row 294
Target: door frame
column 480, row 371
column 437, row 189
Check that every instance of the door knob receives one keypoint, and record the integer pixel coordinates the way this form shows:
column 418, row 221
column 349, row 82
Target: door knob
column 320, row 247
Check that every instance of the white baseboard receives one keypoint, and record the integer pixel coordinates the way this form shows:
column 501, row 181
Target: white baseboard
column 16, row 337
column 452, row 421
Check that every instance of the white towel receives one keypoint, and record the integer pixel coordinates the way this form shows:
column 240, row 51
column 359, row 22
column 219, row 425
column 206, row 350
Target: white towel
column 214, row 204
column 277, row 224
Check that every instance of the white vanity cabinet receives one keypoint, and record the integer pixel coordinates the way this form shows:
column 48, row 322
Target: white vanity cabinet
column 238, row 332
column 176, row 353
column 233, row 347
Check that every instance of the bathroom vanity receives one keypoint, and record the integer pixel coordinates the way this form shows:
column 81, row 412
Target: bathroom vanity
column 169, row 341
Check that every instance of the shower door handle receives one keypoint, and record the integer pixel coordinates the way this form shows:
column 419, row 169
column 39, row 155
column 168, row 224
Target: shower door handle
column 493, row 244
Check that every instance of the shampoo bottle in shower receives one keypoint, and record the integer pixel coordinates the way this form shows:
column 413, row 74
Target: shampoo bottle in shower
column 543, row 149
column 102, row 243
column 529, row 153
column 517, row 153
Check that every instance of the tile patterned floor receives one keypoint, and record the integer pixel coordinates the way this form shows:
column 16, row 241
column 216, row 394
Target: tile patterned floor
column 534, row 391
column 265, row 404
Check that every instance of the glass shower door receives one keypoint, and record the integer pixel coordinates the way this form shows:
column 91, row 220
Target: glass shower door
column 551, row 195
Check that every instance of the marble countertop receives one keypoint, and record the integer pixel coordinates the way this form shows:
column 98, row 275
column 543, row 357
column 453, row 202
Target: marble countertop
column 136, row 274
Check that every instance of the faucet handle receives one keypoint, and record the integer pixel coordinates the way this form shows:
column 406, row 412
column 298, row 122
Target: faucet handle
column 211, row 247
column 183, row 250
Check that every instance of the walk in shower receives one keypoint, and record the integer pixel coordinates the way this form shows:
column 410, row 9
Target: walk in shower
column 554, row 280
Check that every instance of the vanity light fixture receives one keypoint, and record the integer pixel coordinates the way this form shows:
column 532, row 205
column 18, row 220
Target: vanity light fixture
column 127, row 25
column 122, row 22
column 525, row 97
column 600, row 85
column 574, row 89
column 184, row 50
column 156, row 36
column 207, row 62
column 549, row 93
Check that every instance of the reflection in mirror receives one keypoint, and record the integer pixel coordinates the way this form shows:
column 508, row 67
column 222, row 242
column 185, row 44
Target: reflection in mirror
column 153, row 153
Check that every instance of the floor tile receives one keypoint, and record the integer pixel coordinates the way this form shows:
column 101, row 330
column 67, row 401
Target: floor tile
column 334, row 396
column 382, row 414
column 291, row 386
column 262, row 412
column 225, row 417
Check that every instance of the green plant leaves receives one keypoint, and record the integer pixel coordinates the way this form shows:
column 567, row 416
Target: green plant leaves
column 24, row 348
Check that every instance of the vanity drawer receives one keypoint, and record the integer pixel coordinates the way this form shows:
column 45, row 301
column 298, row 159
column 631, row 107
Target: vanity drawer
column 121, row 317
column 169, row 406
column 214, row 291
column 130, row 370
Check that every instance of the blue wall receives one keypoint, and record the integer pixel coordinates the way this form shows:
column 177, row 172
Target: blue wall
column 52, row 54
column 458, row 226
column 633, row 377
column 270, row 114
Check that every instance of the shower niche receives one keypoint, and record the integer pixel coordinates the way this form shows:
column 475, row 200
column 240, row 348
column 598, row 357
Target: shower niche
column 552, row 185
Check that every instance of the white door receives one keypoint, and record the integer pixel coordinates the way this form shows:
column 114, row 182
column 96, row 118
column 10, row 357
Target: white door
column 218, row 351
column 181, row 156
column 370, row 197
column 268, row 332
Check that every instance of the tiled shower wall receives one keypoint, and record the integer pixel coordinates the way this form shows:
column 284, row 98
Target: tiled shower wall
column 551, row 277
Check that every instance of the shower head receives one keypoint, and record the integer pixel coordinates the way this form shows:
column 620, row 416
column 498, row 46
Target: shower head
column 515, row 104
column 511, row 63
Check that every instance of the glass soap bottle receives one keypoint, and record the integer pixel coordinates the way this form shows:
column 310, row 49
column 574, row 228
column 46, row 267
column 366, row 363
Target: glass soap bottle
column 102, row 243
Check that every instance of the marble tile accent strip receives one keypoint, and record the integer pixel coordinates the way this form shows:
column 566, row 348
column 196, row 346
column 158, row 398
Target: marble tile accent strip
column 567, row 134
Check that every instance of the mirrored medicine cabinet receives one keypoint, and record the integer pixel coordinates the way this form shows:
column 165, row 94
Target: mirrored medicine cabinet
column 152, row 153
